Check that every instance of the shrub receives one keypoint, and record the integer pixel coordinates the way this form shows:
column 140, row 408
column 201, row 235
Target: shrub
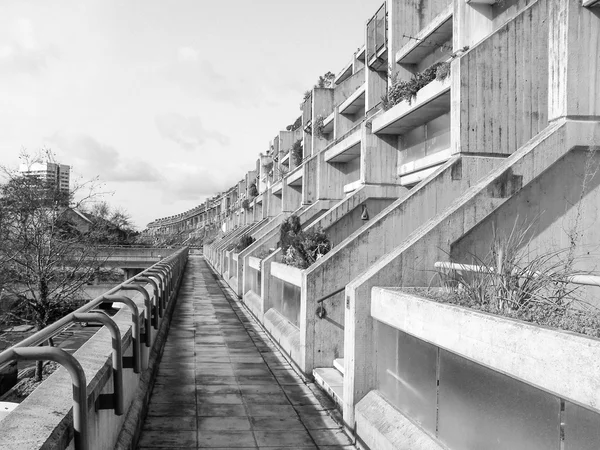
column 246, row 204
column 244, row 242
column 294, row 126
column 301, row 248
column 297, row 152
column 402, row 90
column 319, row 127
column 268, row 167
column 253, row 191
column 532, row 288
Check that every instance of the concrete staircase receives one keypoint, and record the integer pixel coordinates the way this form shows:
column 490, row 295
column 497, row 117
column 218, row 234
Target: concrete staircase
column 331, row 380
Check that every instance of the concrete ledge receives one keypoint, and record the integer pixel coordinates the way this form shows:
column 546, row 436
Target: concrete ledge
column 31, row 426
column 557, row 361
column 381, row 426
column 289, row 274
column 283, row 332
column 254, row 262
column 254, row 303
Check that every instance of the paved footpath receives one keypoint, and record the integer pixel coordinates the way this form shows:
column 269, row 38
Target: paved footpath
column 223, row 384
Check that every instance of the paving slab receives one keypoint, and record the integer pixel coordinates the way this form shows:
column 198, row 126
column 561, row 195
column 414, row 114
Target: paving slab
column 223, row 384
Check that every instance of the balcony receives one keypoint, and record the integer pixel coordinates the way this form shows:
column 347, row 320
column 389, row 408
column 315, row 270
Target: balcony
column 431, row 101
column 355, row 102
column 434, row 35
column 328, row 124
column 346, row 149
column 295, row 177
column 344, row 74
column 376, row 52
column 277, row 187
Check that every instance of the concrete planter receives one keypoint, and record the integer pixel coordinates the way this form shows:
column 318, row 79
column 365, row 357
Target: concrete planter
column 563, row 363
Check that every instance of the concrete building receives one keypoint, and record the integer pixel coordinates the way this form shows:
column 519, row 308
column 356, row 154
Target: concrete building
column 460, row 131
column 456, row 121
column 54, row 173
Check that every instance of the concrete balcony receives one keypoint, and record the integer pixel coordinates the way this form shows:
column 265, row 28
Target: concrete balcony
column 355, row 102
column 295, row 177
column 431, row 102
column 345, row 150
column 438, row 30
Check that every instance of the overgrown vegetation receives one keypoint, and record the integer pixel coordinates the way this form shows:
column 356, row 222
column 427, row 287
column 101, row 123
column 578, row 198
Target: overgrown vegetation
column 294, row 126
column 268, row 167
column 243, row 242
column 252, row 190
column 516, row 284
column 318, row 127
column 297, row 153
column 301, row 248
column 325, row 81
column 406, row 90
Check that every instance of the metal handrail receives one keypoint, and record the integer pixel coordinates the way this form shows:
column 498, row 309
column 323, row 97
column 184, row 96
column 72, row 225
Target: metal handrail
column 321, row 312
column 325, row 297
column 586, row 280
column 28, row 349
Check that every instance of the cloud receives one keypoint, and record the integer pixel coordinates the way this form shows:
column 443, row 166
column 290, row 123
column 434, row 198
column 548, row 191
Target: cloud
column 188, row 132
column 92, row 158
column 23, row 53
column 199, row 77
column 187, row 54
column 190, row 182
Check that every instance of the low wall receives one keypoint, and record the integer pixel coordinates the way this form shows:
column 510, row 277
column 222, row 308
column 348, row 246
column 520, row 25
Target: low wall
column 45, row 418
column 478, row 380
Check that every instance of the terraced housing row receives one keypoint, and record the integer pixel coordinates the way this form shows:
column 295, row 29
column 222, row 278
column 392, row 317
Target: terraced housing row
column 457, row 122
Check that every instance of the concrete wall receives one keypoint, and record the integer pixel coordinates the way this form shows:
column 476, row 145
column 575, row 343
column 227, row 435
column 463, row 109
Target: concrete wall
column 560, row 209
column 504, row 85
column 410, row 264
column 362, row 248
column 44, row 418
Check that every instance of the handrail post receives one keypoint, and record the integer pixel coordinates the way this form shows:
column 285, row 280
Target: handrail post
column 147, row 312
column 161, row 275
column 157, row 302
column 58, row 355
column 116, row 400
column 135, row 332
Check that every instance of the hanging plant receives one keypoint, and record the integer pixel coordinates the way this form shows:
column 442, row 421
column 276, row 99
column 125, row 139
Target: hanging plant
column 297, row 152
column 319, row 127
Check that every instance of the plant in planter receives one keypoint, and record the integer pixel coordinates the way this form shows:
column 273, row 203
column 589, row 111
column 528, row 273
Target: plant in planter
column 318, row 127
column 533, row 288
column 252, row 190
column 244, row 242
column 301, row 248
column 294, row 126
column 268, row 167
column 406, row 90
column 245, row 204
column 296, row 152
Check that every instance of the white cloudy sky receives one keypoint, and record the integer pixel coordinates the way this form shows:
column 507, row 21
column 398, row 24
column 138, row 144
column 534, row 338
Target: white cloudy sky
column 168, row 102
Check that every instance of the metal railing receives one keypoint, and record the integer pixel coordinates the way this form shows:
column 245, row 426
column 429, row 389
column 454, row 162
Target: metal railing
column 321, row 312
column 163, row 277
column 376, row 32
column 586, row 280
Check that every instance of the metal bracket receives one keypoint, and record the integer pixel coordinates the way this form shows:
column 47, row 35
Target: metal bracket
column 133, row 362
column 117, row 354
column 105, row 401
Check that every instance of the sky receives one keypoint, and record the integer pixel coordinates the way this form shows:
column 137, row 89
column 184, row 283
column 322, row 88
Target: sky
column 166, row 102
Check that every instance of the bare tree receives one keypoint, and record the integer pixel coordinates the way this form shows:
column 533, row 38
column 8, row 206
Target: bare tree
column 49, row 249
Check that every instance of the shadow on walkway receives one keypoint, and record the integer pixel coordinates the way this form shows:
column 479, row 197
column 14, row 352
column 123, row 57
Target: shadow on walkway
column 223, row 384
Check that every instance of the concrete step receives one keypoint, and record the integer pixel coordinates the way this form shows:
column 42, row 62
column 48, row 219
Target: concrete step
column 339, row 365
column 332, row 382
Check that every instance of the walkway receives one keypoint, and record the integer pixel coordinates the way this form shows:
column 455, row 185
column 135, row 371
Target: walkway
column 223, row 384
